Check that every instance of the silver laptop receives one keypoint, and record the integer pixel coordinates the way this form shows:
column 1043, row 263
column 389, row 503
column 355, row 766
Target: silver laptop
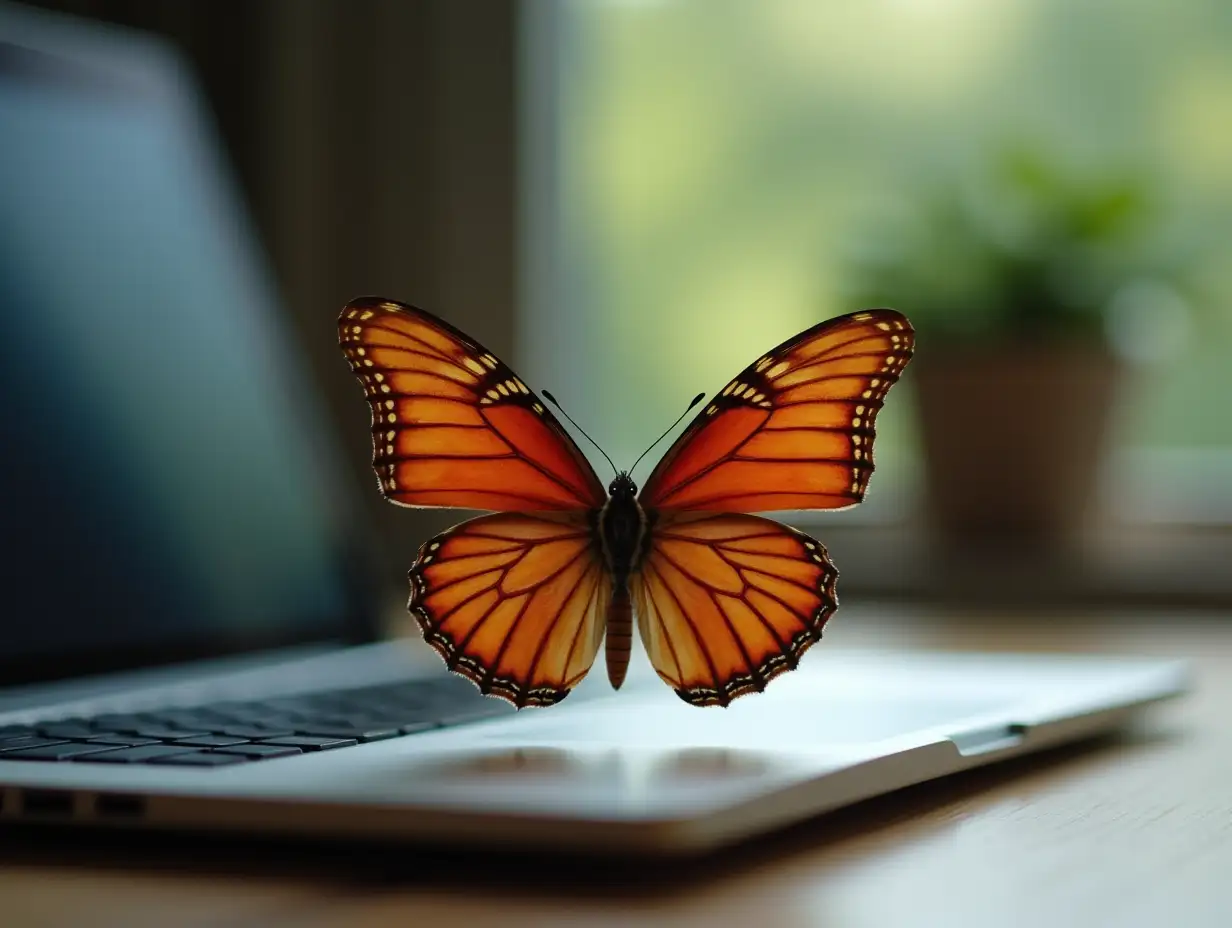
column 189, row 638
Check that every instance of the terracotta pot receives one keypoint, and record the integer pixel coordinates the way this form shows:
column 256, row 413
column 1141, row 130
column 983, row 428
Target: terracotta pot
column 1014, row 439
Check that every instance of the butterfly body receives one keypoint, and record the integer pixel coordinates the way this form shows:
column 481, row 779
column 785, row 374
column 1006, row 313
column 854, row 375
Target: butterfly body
column 621, row 532
column 521, row 600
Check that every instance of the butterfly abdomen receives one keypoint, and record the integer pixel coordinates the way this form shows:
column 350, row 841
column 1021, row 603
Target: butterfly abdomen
column 619, row 644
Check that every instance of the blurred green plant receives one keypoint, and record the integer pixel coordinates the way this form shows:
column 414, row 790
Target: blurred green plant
column 1024, row 250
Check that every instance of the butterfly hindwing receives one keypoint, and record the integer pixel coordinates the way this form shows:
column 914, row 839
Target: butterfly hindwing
column 515, row 601
column 727, row 602
column 452, row 425
column 795, row 429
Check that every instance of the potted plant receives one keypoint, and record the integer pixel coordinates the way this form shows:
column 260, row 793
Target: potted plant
column 1009, row 277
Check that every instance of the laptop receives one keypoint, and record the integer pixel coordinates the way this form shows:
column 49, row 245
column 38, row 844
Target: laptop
column 191, row 640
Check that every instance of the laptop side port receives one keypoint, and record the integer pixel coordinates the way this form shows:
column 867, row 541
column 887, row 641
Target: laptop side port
column 47, row 803
column 118, row 806
column 987, row 740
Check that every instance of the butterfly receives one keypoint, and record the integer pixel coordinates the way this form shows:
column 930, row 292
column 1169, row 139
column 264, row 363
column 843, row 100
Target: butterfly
column 520, row 600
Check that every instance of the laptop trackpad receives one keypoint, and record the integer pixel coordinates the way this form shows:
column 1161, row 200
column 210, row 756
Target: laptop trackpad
column 796, row 721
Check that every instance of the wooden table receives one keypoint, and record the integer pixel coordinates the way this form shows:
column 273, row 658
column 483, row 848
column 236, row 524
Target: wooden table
column 1132, row 830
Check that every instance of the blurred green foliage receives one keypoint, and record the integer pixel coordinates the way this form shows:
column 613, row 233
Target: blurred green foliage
column 1028, row 248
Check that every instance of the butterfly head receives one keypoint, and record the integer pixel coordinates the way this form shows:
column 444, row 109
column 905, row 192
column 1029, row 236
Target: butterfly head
column 622, row 487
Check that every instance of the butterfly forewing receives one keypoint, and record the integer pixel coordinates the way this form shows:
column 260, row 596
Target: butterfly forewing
column 452, row 425
column 514, row 601
column 727, row 602
column 795, row 429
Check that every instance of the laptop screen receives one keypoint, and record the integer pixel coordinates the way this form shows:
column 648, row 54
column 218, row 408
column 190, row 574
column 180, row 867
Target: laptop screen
column 167, row 490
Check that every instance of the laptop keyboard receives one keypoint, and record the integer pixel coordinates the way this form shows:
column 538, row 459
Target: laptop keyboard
column 227, row 733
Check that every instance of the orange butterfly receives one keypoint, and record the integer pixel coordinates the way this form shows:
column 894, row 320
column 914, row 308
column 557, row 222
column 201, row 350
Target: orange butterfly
column 521, row 600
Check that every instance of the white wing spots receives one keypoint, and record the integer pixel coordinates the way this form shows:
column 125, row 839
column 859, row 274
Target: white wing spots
column 385, row 388
column 763, row 364
column 711, row 409
column 389, row 436
column 503, row 390
column 894, row 363
column 366, row 314
column 473, row 366
column 538, row 408
column 739, row 390
column 777, row 370
column 361, row 352
column 389, row 404
column 859, row 410
column 488, row 361
column 355, row 330
column 378, row 377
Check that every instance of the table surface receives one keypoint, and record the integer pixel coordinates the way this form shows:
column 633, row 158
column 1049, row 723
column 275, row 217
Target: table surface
column 1134, row 829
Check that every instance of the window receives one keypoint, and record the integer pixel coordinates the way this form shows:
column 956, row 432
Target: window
column 697, row 176
column 699, row 173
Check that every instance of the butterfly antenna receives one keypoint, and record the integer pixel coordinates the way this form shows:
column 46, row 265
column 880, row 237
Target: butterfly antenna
column 697, row 399
column 556, row 403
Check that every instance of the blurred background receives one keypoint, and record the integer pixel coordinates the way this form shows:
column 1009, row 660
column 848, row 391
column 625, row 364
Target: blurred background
column 631, row 199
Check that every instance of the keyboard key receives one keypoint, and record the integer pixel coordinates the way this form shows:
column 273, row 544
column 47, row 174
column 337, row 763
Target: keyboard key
column 250, row 714
column 65, row 730
column 414, row 728
column 359, row 733
column 124, row 741
column 169, row 734
column 291, row 706
column 254, row 732
column 21, row 744
column 311, row 744
column 139, row 755
column 15, row 731
column 259, row 751
column 212, row 741
column 65, row 751
column 189, row 719
column 199, row 759
column 123, row 723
